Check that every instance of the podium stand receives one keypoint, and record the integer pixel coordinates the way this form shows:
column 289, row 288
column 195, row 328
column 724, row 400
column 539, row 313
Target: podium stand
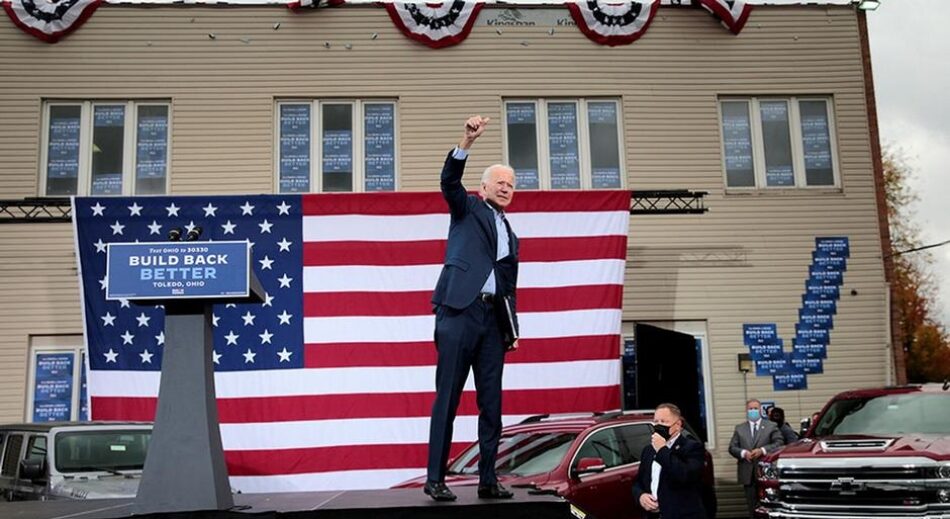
column 185, row 468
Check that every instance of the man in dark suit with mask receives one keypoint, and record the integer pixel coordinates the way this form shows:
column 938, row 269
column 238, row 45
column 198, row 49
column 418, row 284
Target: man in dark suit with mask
column 752, row 439
column 670, row 482
column 476, row 322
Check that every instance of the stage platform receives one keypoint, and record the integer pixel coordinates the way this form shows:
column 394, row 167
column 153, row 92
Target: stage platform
column 355, row 504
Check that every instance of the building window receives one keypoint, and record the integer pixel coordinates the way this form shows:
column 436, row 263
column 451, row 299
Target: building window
column 564, row 143
column 105, row 148
column 57, row 380
column 351, row 143
column 773, row 142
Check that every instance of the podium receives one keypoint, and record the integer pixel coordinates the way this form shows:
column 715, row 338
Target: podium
column 185, row 468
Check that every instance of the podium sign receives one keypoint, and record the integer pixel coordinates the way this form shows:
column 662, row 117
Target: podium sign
column 178, row 270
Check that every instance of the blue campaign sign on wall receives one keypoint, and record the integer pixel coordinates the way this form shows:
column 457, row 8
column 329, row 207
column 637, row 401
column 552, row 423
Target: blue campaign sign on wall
column 822, row 292
column 811, row 335
column 759, row 333
column 766, row 351
column 819, row 306
column 177, row 270
column 810, row 365
column 771, row 367
column 789, row 382
column 809, row 350
column 53, row 387
column 824, row 277
column 839, row 263
column 833, row 246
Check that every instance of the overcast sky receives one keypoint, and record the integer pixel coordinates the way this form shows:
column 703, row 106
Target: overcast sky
column 910, row 54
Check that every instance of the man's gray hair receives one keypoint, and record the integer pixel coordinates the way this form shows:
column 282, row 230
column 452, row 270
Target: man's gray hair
column 486, row 175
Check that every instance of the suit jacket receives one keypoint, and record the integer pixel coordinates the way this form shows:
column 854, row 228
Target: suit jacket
column 680, row 493
column 768, row 436
column 471, row 251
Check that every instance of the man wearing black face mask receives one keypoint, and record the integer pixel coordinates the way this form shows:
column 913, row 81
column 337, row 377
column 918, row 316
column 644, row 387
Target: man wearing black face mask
column 669, row 484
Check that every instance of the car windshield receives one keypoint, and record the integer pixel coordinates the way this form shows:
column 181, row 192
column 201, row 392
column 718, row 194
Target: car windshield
column 888, row 415
column 105, row 450
column 522, row 454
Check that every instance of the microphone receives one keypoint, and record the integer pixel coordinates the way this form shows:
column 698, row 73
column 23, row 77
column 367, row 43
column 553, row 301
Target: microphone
column 193, row 234
column 174, row 234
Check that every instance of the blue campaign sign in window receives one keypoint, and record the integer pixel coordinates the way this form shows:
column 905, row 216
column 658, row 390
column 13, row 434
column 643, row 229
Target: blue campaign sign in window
column 336, row 146
column 562, row 143
column 294, row 145
column 151, row 150
column 53, row 387
column 778, row 142
column 115, row 148
column 379, row 144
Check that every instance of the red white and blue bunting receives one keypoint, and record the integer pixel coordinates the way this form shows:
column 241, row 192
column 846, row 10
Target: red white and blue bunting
column 613, row 23
column 435, row 25
column 49, row 20
column 732, row 13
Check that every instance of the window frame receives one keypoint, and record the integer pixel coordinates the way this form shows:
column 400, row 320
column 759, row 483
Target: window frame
column 86, row 129
column 583, row 138
column 51, row 345
column 795, row 135
column 358, row 121
column 575, row 458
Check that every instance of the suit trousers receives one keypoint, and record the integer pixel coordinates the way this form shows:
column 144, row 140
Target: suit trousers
column 751, row 499
column 466, row 339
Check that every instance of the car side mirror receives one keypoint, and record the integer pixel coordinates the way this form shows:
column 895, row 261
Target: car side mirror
column 589, row 466
column 33, row 470
column 803, row 427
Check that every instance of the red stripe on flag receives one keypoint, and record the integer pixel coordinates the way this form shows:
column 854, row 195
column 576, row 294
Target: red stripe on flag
column 340, row 407
column 556, row 299
column 329, row 459
column 432, row 252
column 405, row 203
column 561, row 349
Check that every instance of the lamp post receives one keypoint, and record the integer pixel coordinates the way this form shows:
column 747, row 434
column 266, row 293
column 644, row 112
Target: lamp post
column 868, row 5
column 744, row 363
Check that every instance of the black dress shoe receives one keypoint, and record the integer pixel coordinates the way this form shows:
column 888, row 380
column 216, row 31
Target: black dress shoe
column 495, row 491
column 439, row 492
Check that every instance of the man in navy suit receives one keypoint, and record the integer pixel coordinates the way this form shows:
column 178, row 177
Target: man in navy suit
column 670, row 482
column 475, row 290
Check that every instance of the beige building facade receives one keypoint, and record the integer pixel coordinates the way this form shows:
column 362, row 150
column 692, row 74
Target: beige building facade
column 674, row 90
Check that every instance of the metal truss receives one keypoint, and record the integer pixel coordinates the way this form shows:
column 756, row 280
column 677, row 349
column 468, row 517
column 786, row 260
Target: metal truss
column 669, row 201
column 59, row 210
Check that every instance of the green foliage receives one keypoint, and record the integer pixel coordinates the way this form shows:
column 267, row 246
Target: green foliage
column 925, row 341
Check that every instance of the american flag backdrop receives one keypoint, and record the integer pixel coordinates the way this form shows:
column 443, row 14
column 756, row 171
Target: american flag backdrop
column 328, row 384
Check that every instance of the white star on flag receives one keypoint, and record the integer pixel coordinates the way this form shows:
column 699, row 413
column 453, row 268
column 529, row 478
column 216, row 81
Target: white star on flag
column 247, row 209
column 127, row 337
column 231, row 337
column 265, row 226
column 268, row 299
column 110, row 355
column 135, row 209
column 143, row 319
column 216, row 357
column 266, row 337
column 248, row 318
column 108, row 319
column 285, row 281
column 265, row 263
column 214, row 320
column 123, row 303
column 284, row 355
column 284, row 317
column 172, row 210
column 249, row 356
column 160, row 338
column 283, row 208
column 146, row 356
column 98, row 209
column 117, row 228
column 209, row 210
column 100, row 246
column 155, row 228
column 228, row 227
column 103, row 283
column 191, row 226
column 284, row 245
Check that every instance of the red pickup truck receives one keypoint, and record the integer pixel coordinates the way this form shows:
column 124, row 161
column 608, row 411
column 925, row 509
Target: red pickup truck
column 880, row 453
